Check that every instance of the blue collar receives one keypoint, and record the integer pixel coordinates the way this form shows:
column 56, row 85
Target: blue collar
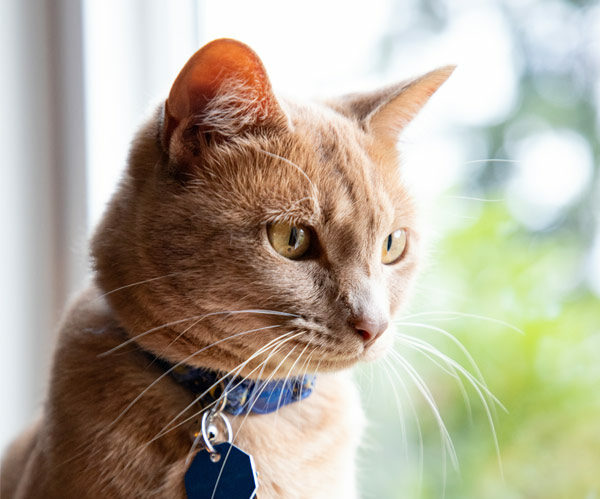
column 243, row 395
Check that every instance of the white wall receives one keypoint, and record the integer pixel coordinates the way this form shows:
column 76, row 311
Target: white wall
column 62, row 154
column 133, row 51
column 41, row 210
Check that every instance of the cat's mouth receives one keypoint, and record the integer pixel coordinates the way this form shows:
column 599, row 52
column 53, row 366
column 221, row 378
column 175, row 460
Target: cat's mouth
column 332, row 352
column 347, row 346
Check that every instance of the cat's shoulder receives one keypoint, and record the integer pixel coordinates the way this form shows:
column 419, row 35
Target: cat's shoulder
column 90, row 321
column 96, row 363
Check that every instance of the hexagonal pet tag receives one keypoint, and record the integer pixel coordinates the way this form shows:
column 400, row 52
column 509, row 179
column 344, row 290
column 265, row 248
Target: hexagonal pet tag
column 230, row 475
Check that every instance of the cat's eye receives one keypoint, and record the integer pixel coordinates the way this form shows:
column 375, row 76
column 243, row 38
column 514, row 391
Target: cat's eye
column 393, row 247
column 289, row 240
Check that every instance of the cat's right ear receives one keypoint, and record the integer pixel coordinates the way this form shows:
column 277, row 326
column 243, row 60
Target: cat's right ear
column 386, row 112
column 223, row 89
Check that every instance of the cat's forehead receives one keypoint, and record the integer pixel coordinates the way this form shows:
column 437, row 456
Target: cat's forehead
column 324, row 171
column 353, row 182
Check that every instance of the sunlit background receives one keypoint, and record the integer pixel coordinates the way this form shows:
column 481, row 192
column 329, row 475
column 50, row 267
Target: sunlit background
column 505, row 160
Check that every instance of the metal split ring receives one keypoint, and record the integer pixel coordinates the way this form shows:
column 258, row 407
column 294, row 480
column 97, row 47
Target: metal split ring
column 207, row 418
column 222, row 401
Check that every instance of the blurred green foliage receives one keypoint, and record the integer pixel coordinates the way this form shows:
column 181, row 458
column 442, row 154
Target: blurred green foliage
column 548, row 377
column 491, row 270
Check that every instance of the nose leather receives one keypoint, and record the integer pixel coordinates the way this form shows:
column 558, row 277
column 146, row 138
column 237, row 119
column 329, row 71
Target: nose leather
column 368, row 308
column 370, row 327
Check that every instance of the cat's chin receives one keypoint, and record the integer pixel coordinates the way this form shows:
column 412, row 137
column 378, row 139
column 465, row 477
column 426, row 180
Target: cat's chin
column 378, row 348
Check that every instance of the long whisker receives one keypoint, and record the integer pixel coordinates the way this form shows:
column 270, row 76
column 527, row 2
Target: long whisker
column 144, row 281
column 477, row 385
column 234, row 372
column 271, row 344
column 453, row 339
column 275, row 343
column 190, row 452
column 471, row 198
column 449, row 370
column 304, row 369
column 166, row 428
column 463, row 314
column 194, row 317
column 291, row 163
column 425, row 392
column 399, row 407
column 290, row 372
column 164, row 431
column 262, row 389
column 461, row 347
column 238, row 368
column 176, row 339
column 491, row 160
column 172, row 368
column 415, row 416
column 288, row 376
column 132, row 339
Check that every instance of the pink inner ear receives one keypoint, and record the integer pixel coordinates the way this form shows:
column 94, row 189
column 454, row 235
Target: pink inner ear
column 208, row 71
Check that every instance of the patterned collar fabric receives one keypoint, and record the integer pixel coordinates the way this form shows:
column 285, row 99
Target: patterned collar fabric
column 243, row 395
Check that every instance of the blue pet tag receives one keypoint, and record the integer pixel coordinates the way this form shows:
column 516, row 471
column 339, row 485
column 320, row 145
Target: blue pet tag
column 228, row 473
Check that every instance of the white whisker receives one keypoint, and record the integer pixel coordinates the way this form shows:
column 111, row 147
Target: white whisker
column 462, row 348
column 168, row 371
column 479, row 387
column 273, row 344
column 450, row 371
column 491, row 160
column 302, row 172
column 194, row 317
column 471, row 198
column 426, row 393
column 453, row 339
column 290, row 372
column 477, row 383
column 415, row 416
column 151, row 279
column 399, row 407
column 261, row 390
column 462, row 314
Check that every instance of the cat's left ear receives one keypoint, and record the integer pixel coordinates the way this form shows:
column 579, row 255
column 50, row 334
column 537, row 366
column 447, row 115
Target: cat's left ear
column 223, row 89
column 385, row 113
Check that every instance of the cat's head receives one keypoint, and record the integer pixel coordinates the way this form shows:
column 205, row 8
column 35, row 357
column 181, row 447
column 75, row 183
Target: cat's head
column 247, row 222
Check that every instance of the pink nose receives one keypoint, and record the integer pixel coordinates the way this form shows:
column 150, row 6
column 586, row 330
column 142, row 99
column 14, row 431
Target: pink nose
column 369, row 328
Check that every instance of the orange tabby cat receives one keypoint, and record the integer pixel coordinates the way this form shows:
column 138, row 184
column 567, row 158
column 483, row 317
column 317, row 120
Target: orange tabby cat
column 250, row 235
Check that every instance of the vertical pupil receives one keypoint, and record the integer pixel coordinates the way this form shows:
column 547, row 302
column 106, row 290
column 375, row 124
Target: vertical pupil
column 293, row 237
column 389, row 242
